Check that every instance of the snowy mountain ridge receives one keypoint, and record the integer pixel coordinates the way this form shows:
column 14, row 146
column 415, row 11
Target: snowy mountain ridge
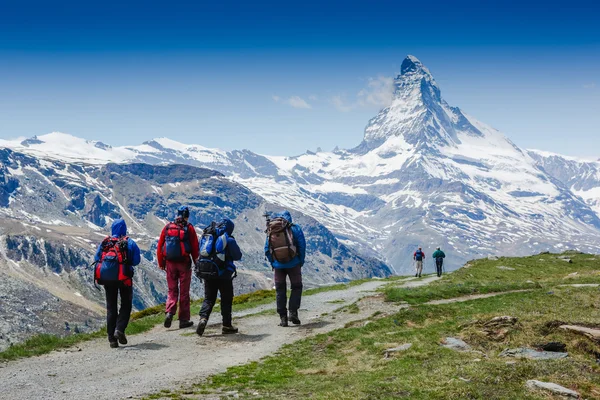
column 426, row 173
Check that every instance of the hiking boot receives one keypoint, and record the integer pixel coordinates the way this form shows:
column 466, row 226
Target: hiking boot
column 284, row 321
column 121, row 337
column 201, row 326
column 417, row 275
column 228, row 330
column 113, row 344
column 168, row 320
column 185, row 324
column 293, row 318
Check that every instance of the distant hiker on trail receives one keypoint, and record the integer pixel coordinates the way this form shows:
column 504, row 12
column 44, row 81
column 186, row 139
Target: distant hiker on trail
column 177, row 247
column 285, row 249
column 438, row 255
column 218, row 251
column 418, row 257
column 115, row 258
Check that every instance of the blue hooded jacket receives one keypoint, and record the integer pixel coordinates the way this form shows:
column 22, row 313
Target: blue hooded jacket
column 299, row 241
column 232, row 251
column 119, row 229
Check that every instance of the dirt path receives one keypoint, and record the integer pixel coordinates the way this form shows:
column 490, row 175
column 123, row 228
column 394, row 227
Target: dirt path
column 165, row 359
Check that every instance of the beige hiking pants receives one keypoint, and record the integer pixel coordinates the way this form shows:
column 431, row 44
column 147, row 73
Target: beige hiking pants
column 419, row 266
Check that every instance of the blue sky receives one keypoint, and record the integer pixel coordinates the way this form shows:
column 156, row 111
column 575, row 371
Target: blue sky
column 282, row 78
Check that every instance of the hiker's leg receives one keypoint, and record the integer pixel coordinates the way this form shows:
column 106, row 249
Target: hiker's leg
column 211, row 287
column 226, row 289
column 419, row 267
column 173, row 285
column 112, row 294
column 281, row 289
column 185, row 278
column 295, row 275
column 126, row 293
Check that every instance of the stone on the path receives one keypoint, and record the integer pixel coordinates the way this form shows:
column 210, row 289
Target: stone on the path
column 552, row 387
column 456, row 344
column 533, row 354
column 592, row 333
column 402, row 347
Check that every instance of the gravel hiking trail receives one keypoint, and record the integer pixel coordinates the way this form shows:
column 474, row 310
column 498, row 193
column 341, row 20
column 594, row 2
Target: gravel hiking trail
column 169, row 358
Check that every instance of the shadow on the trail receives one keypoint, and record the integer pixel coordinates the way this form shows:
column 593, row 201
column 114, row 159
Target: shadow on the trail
column 239, row 337
column 146, row 346
column 313, row 325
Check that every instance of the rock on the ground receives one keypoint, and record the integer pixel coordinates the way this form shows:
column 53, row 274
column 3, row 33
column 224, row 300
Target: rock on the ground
column 402, row 347
column 592, row 333
column 533, row 354
column 552, row 346
column 565, row 258
column 552, row 387
column 456, row 344
column 505, row 268
column 493, row 258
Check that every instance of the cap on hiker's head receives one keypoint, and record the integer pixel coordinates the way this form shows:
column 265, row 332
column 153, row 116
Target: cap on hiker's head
column 438, row 248
column 183, row 212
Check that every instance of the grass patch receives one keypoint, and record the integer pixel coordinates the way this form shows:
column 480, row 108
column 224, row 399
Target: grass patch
column 542, row 271
column 350, row 364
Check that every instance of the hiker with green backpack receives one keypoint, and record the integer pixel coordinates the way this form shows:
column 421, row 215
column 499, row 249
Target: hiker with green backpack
column 215, row 266
column 438, row 255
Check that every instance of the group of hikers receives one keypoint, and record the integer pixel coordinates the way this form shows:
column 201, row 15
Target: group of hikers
column 181, row 252
column 419, row 256
column 211, row 257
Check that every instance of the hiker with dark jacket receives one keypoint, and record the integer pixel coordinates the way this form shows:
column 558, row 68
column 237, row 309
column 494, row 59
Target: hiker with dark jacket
column 287, row 258
column 115, row 258
column 177, row 248
column 438, row 255
column 223, row 283
column 419, row 256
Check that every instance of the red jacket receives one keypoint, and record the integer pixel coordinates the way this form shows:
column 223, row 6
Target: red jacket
column 194, row 245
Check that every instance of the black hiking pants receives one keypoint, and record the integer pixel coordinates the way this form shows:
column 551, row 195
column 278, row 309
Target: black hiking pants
column 117, row 319
column 211, row 288
column 439, row 263
column 295, row 275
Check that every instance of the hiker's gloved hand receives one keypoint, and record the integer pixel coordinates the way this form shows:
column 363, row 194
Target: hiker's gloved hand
column 162, row 266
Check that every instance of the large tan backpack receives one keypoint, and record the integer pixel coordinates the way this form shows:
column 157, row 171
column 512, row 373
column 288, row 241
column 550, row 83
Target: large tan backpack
column 281, row 240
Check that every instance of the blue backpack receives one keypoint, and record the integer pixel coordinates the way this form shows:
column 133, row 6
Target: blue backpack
column 419, row 255
column 211, row 264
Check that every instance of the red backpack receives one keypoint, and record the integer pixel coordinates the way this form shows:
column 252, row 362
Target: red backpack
column 177, row 245
column 114, row 265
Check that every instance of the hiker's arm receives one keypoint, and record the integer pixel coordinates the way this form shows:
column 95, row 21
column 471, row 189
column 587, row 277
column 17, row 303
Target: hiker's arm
column 267, row 252
column 134, row 252
column 194, row 243
column 98, row 253
column 159, row 247
column 234, row 249
column 301, row 244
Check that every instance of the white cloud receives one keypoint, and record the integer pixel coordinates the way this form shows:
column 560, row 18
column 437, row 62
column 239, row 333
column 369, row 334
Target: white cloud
column 294, row 101
column 589, row 85
column 313, row 97
column 378, row 93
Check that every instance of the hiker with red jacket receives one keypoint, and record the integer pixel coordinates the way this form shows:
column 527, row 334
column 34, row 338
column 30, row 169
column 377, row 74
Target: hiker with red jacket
column 115, row 258
column 285, row 248
column 177, row 248
column 418, row 257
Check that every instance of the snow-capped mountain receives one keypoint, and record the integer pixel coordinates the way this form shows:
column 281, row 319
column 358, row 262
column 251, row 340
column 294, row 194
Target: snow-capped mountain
column 425, row 174
column 581, row 176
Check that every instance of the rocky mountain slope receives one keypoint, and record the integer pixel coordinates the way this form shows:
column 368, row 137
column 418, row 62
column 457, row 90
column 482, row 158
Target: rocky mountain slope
column 425, row 174
column 582, row 177
column 54, row 213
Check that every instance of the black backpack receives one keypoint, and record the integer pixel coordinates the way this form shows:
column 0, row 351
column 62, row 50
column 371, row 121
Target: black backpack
column 211, row 263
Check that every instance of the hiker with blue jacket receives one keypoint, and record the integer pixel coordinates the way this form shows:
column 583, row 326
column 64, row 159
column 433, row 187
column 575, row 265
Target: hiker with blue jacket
column 215, row 266
column 115, row 258
column 418, row 257
column 285, row 248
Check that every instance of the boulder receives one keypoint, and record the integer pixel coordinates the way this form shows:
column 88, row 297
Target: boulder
column 553, row 388
column 591, row 333
column 402, row 347
column 505, row 268
column 455, row 344
column 493, row 258
column 533, row 354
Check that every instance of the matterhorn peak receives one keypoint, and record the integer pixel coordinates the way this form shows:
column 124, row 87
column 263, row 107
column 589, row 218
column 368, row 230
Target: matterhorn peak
column 412, row 64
